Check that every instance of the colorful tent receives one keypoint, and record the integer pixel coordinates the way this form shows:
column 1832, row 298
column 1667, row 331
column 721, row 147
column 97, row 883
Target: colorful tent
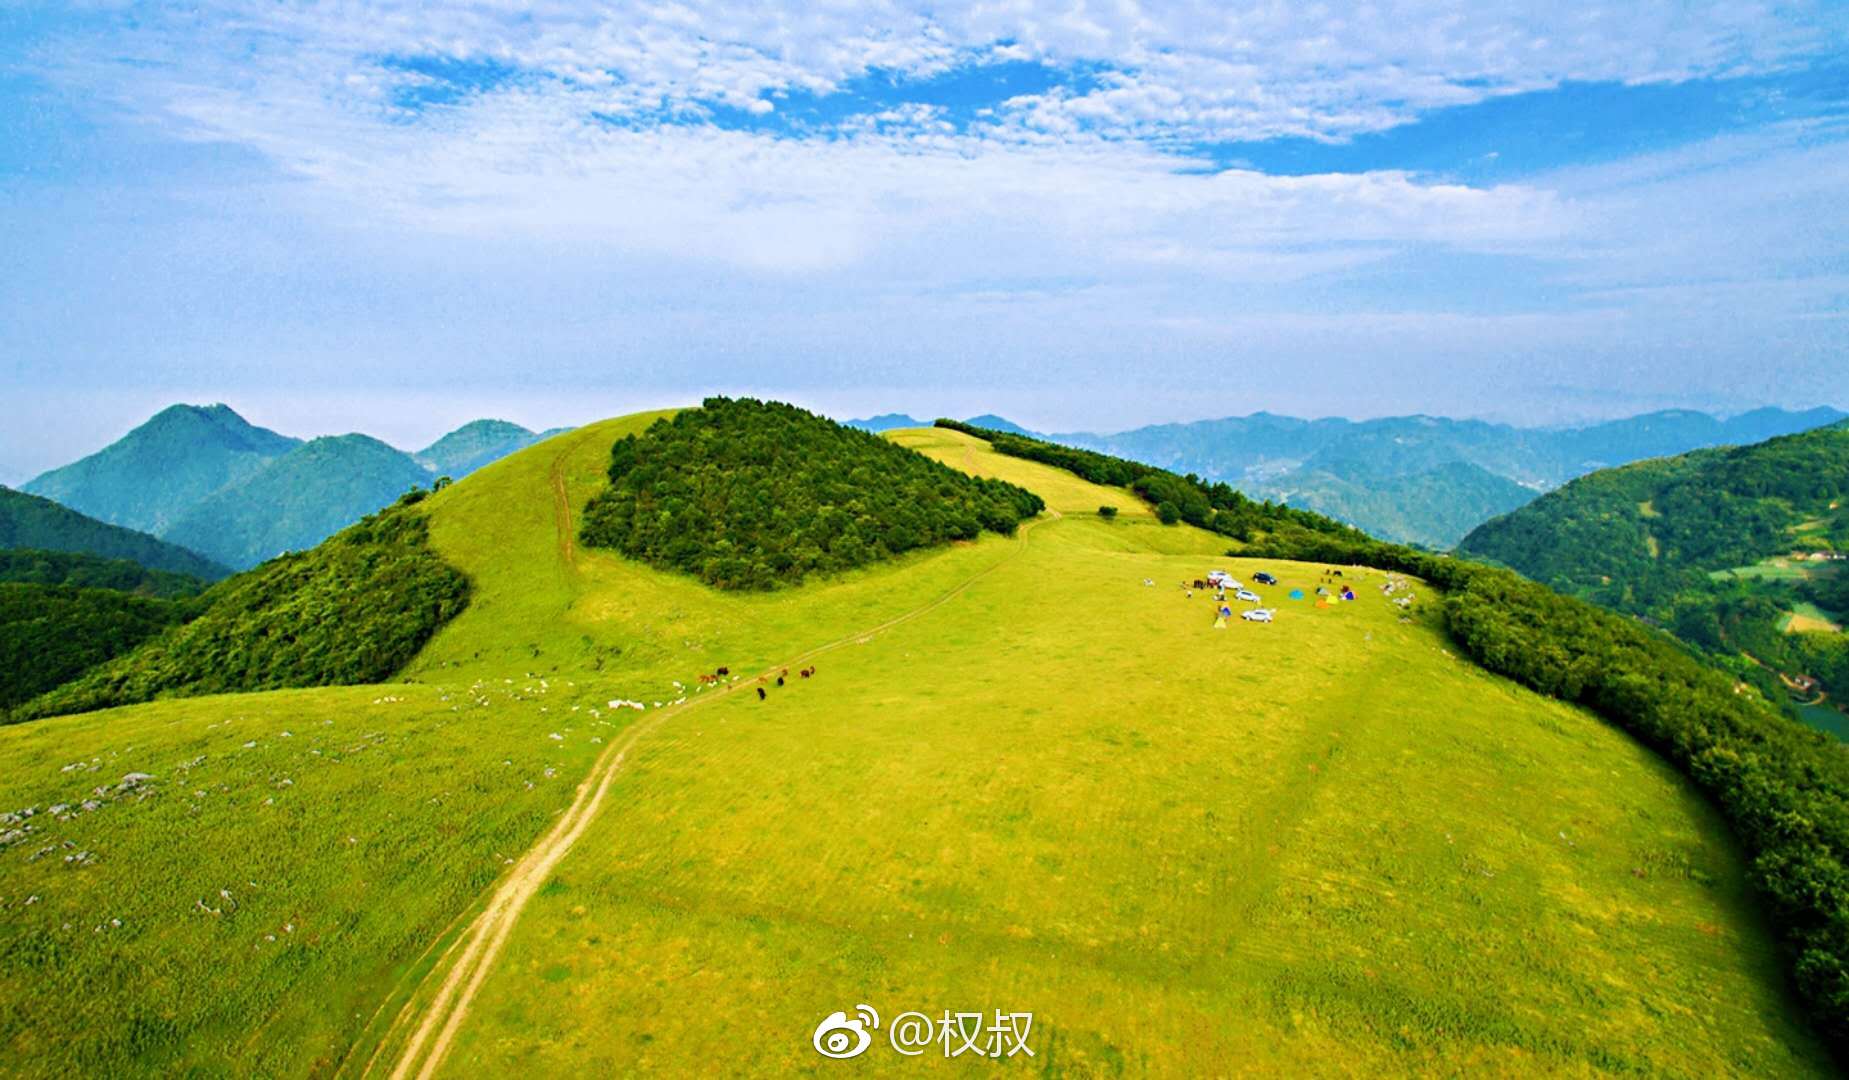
column 1296, row 594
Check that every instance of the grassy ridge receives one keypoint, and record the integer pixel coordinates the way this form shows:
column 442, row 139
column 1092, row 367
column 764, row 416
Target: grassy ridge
column 1783, row 789
column 1319, row 847
column 1323, row 846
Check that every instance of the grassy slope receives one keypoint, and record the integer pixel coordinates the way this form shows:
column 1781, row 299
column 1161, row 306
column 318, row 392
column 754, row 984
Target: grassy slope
column 1057, row 792
column 1324, row 845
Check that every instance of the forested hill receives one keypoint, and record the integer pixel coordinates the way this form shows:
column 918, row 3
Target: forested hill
column 150, row 477
column 748, row 494
column 36, row 566
column 1633, row 537
column 29, row 521
column 355, row 609
column 303, row 497
column 473, row 445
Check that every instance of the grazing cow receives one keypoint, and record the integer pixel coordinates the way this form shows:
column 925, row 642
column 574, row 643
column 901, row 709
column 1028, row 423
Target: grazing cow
column 779, row 680
column 760, row 693
column 725, row 671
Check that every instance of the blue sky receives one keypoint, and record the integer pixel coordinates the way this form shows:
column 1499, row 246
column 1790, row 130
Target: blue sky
column 395, row 217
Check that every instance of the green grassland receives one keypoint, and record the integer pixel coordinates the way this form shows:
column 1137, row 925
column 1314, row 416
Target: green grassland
column 1325, row 845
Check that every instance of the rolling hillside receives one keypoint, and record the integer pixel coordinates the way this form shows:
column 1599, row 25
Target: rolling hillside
column 30, row 521
column 300, row 499
column 1020, row 778
column 1702, row 544
column 151, row 477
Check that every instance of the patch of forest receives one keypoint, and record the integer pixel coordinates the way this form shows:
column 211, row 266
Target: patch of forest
column 747, row 494
column 34, row 566
column 355, row 609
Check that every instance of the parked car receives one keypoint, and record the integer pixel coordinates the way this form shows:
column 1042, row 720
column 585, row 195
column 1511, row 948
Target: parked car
column 1264, row 578
column 1247, row 595
column 1257, row 614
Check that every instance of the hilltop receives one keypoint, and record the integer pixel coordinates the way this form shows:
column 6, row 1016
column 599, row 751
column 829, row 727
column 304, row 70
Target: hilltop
column 150, row 477
column 473, row 445
column 302, row 497
column 1704, row 544
column 29, row 521
column 1027, row 772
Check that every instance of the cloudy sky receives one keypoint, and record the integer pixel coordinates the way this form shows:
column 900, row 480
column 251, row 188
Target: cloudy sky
column 393, row 218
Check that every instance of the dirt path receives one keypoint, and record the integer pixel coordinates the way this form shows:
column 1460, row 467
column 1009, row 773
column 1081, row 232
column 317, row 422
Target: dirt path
column 472, row 956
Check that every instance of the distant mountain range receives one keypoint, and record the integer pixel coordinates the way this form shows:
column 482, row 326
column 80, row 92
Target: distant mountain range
column 204, row 478
column 1419, row 479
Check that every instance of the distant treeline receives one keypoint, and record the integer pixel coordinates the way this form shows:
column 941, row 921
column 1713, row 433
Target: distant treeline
column 31, row 566
column 1782, row 787
column 747, row 494
column 353, row 610
column 1215, row 506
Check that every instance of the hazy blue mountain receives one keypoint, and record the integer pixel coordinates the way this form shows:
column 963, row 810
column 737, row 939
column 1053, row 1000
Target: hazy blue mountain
column 153, row 475
column 474, row 444
column 1435, row 507
column 31, row 521
column 1350, row 468
column 302, row 498
column 886, row 422
column 998, row 423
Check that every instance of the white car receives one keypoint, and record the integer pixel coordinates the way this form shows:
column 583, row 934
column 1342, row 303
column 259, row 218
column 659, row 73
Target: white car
column 1247, row 595
column 1257, row 614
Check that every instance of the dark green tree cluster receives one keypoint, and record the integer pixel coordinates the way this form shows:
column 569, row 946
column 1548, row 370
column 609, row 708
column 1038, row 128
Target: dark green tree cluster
column 1215, row 506
column 748, row 494
column 51, row 633
column 1782, row 787
column 353, row 610
column 33, row 566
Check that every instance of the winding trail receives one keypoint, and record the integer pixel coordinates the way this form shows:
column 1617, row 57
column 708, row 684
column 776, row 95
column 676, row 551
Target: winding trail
column 465, row 966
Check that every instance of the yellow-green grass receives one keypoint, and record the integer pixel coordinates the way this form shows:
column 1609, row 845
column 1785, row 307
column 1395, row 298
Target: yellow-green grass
column 1322, row 845
column 348, row 827
column 1326, row 845
column 1806, row 617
